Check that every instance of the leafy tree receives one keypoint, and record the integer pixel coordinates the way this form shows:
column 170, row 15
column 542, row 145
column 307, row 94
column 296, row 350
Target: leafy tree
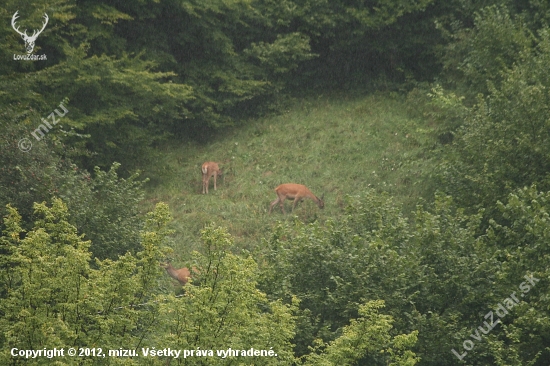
column 433, row 273
column 226, row 310
column 356, row 40
column 136, row 74
column 367, row 335
column 477, row 58
column 503, row 144
column 26, row 177
column 103, row 205
column 106, row 208
column 53, row 298
column 521, row 237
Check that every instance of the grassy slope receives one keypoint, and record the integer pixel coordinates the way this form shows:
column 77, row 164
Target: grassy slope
column 334, row 145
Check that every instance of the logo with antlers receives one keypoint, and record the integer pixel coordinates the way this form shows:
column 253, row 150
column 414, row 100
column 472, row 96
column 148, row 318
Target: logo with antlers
column 29, row 40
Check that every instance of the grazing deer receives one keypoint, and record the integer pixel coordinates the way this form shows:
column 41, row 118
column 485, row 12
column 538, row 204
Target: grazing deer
column 297, row 192
column 209, row 169
column 182, row 275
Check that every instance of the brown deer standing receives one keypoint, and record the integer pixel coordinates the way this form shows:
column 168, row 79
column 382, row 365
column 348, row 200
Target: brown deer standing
column 209, row 169
column 182, row 275
column 297, row 192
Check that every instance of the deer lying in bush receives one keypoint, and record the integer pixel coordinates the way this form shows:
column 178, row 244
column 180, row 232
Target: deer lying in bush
column 182, row 275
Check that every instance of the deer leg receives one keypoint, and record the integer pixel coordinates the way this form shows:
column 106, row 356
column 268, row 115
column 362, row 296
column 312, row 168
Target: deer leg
column 296, row 200
column 273, row 204
column 282, row 203
column 215, row 176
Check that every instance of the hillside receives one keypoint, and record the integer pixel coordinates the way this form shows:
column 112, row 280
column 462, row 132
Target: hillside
column 335, row 145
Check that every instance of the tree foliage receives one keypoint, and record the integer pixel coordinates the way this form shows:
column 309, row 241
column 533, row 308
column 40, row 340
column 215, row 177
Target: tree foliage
column 429, row 272
column 367, row 335
column 106, row 208
column 135, row 74
column 53, row 297
column 226, row 310
column 503, row 143
column 478, row 57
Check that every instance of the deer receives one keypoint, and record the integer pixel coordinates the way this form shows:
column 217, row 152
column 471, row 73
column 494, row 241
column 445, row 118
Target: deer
column 182, row 275
column 29, row 40
column 209, row 169
column 297, row 192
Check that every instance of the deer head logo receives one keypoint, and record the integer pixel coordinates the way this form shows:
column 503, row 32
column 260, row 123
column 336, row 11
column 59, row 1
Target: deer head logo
column 29, row 40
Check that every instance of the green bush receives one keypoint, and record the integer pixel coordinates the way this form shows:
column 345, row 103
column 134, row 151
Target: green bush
column 432, row 272
column 478, row 57
column 504, row 143
column 106, row 208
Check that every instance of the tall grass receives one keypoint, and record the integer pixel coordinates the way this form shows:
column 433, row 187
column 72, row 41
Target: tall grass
column 336, row 145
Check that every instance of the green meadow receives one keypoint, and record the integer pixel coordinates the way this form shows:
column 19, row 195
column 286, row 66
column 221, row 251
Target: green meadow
column 335, row 145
